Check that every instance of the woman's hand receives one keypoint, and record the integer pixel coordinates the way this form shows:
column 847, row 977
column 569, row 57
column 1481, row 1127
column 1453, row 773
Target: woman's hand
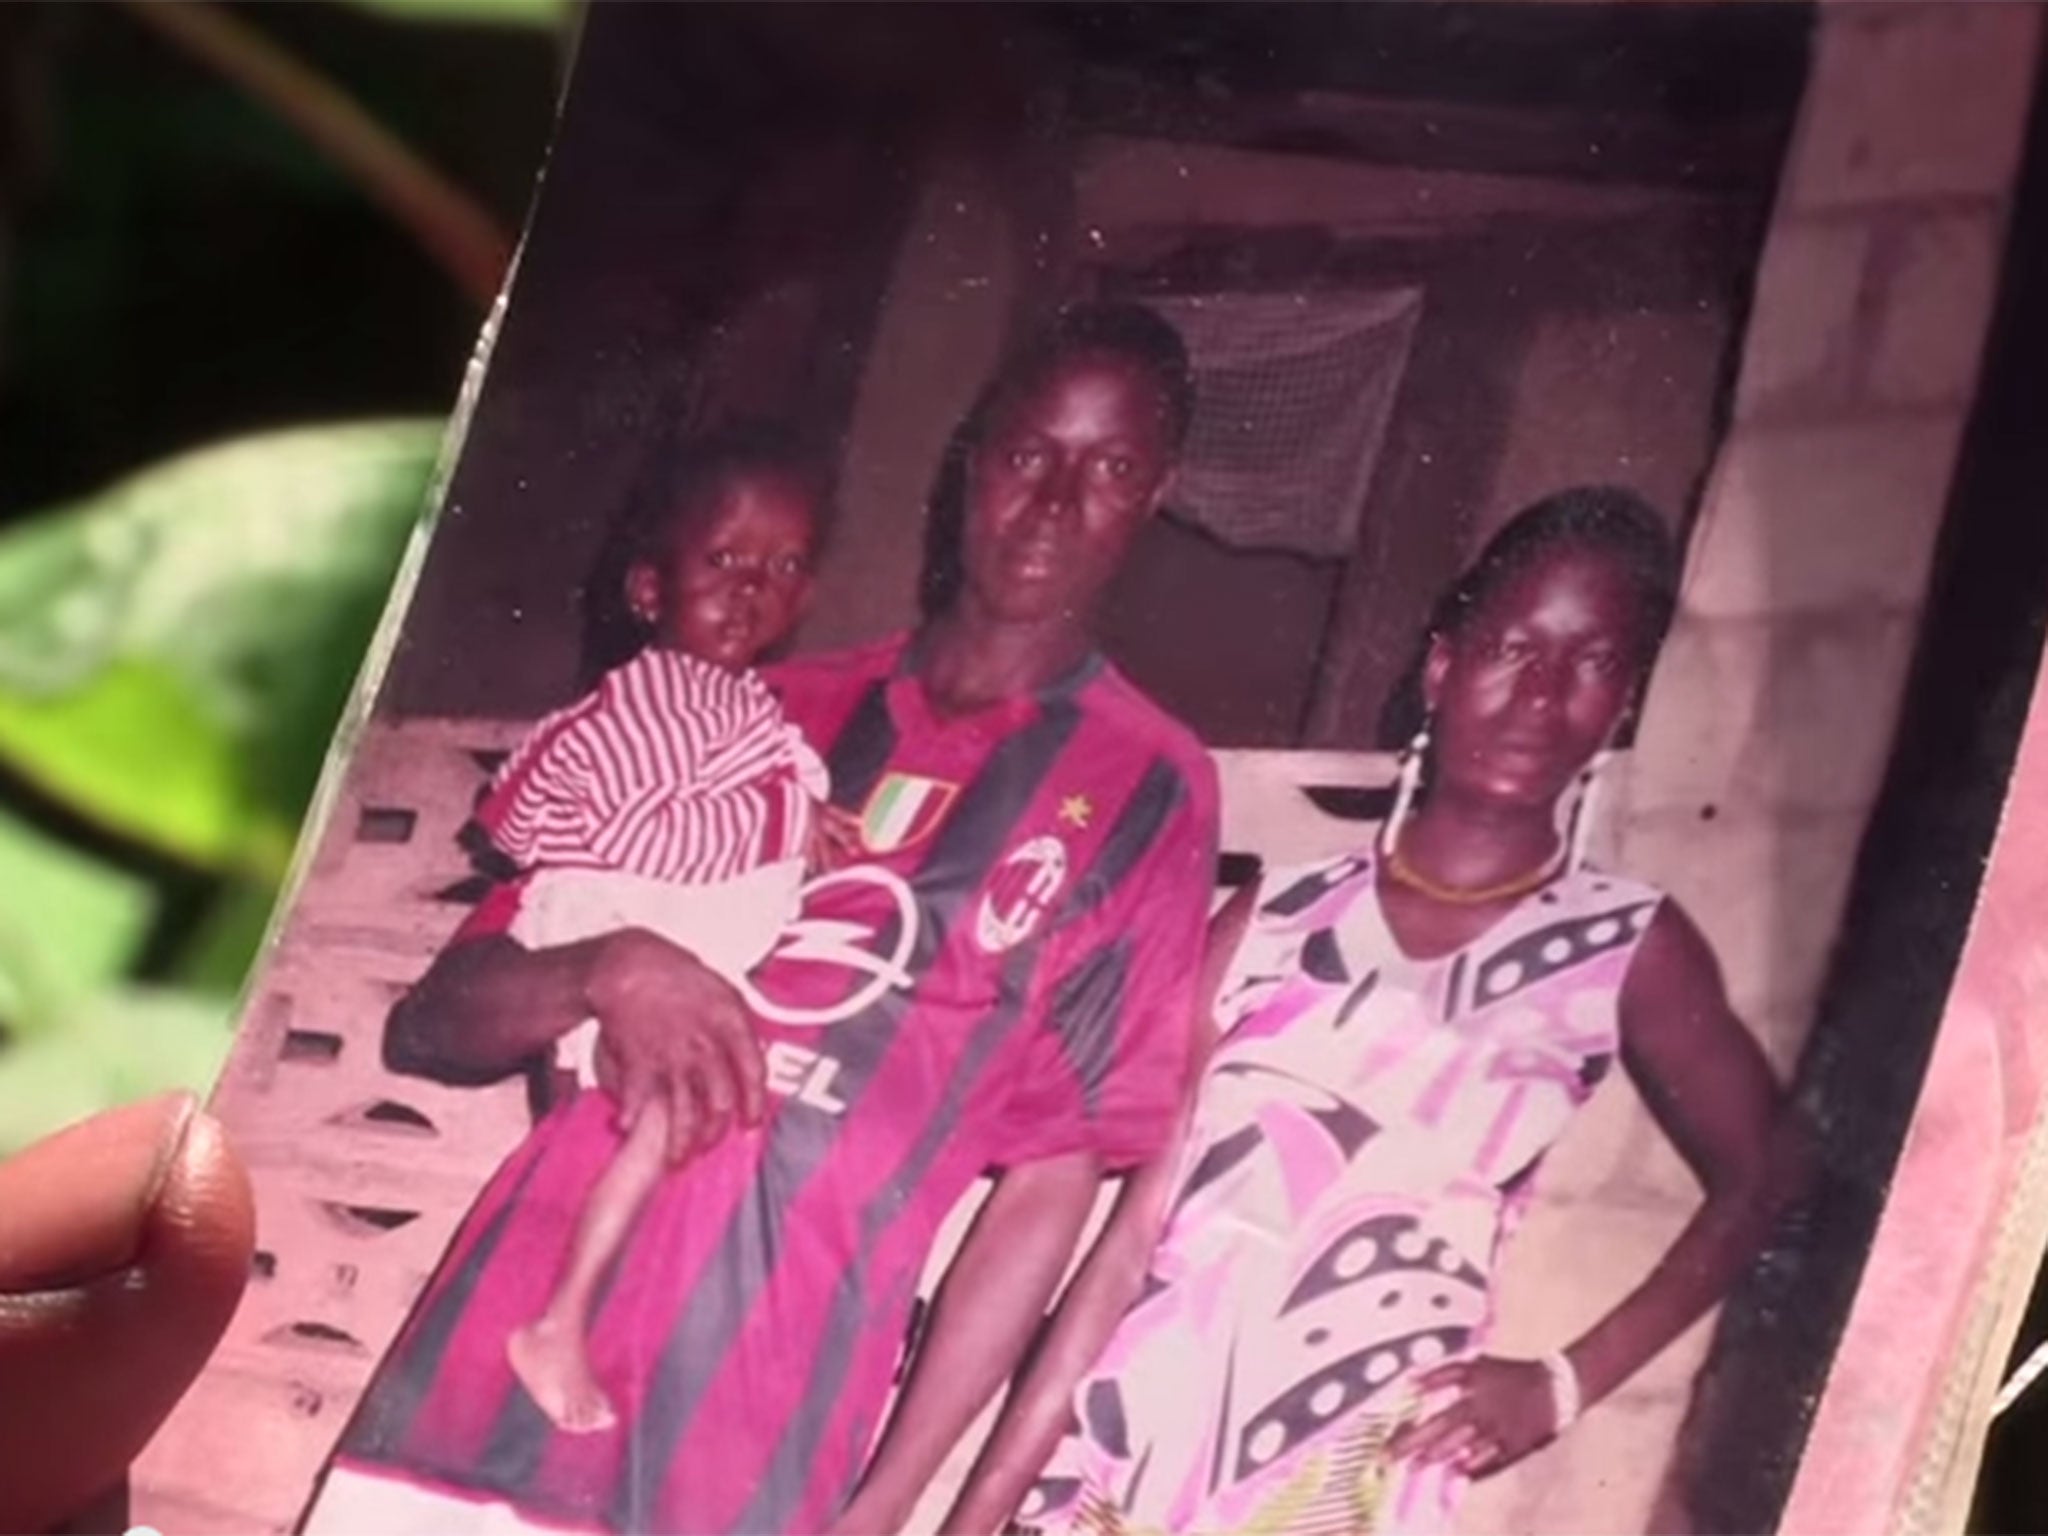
column 1501, row 1412
column 672, row 1028
column 124, row 1246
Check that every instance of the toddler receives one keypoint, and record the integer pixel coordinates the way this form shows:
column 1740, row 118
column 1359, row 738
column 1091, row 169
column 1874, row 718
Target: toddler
column 673, row 797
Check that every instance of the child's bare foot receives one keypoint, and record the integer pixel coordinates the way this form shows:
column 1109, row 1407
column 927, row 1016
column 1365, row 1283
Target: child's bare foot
column 549, row 1359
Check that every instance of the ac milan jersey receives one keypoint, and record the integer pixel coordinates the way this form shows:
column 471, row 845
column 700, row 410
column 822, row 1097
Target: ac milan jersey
column 1008, row 977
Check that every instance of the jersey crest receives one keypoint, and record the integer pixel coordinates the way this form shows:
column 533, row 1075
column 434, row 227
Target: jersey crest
column 1021, row 894
column 903, row 810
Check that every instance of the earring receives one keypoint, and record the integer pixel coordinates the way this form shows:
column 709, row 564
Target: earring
column 1581, row 835
column 1407, row 781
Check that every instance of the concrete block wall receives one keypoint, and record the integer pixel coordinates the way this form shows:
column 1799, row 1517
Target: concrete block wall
column 1765, row 734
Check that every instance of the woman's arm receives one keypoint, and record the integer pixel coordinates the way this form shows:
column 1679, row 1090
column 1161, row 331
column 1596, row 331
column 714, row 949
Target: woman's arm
column 1708, row 1087
column 1037, row 1413
column 1102, row 1292
column 1711, row 1091
column 992, row 1300
column 671, row 1026
column 485, row 1007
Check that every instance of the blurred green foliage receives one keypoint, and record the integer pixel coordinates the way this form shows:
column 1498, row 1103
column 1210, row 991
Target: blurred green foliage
column 174, row 652
column 178, row 640
column 173, row 657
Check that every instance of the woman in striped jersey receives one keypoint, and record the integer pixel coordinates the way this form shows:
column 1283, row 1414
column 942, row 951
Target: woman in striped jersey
column 998, row 980
column 674, row 797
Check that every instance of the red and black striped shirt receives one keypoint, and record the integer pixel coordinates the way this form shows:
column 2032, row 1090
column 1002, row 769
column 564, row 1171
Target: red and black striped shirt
column 1009, row 977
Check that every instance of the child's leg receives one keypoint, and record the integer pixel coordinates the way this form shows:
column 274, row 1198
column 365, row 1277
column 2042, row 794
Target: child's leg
column 549, row 1354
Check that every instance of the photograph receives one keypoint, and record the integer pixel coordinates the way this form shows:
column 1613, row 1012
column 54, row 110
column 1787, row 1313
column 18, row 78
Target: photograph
column 1143, row 775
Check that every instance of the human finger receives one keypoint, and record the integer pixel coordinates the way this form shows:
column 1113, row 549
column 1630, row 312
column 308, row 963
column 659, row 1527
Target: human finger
column 716, row 1095
column 681, row 1097
column 1454, row 1375
column 604, row 1061
column 844, row 834
column 732, row 1036
column 640, row 1082
column 124, row 1249
column 1454, row 1445
column 1405, row 1436
column 1480, row 1455
column 1421, row 1438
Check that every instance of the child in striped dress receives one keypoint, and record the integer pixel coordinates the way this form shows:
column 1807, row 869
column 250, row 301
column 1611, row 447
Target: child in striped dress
column 673, row 797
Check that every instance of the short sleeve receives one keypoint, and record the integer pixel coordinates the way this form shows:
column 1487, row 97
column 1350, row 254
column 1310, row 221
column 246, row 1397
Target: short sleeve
column 1107, row 1062
column 587, row 776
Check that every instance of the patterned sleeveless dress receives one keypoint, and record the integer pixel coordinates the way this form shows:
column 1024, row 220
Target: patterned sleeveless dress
column 1363, row 1144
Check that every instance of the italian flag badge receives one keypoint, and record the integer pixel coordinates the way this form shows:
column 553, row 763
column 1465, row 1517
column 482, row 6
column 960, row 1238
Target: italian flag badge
column 904, row 809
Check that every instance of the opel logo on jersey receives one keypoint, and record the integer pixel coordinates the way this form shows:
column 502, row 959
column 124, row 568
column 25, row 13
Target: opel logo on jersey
column 1021, row 894
column 852, row 944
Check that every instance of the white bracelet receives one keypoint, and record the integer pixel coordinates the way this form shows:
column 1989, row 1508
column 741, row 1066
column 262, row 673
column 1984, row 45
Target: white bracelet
column 1566, row 1398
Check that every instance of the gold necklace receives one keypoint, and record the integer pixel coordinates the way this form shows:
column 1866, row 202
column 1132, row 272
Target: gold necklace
column 1470, row 896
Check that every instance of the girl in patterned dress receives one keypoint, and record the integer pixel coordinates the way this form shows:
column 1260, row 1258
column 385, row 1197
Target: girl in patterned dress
column 1287, row 1328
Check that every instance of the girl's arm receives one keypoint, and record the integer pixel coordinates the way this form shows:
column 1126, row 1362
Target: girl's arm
column 1710, row 1090
column 1102, row 1292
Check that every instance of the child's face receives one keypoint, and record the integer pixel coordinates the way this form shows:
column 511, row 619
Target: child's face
column 736, row 578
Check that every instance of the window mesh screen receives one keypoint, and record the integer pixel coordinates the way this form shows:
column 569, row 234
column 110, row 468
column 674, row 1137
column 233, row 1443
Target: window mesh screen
column 1293, row 396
